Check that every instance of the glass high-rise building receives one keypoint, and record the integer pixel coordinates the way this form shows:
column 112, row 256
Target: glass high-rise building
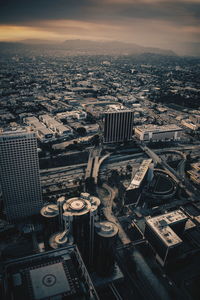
column 19, row 174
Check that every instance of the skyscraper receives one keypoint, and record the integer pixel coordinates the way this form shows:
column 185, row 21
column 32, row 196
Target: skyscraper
column 19, row 174
column 118, row 126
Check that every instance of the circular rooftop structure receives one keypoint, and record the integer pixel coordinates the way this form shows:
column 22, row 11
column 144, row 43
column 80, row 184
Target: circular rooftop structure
column 95, row 202
column 58, row 240
column 49, row 211
column 81, row 205
column 106, row 229
column 76, row 207
column 61, row 200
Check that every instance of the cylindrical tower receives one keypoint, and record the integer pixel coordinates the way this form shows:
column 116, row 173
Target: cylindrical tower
column 95, row 203
column 78, row 212
column 59, row 240
column 50, row 216
column 105, row 240
column 79, row 216
column 60, row 203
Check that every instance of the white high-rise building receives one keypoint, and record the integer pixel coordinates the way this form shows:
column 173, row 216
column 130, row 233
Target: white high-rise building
column 19, row 174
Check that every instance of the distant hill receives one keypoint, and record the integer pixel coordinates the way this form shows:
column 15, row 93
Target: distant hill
column 95, row 47
column 79, row 47
column 120, row 47
column 38, row 42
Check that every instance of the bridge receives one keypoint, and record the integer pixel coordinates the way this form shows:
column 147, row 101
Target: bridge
column 94, row 162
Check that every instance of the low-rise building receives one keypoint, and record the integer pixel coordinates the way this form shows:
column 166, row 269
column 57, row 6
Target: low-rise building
column 164, row 234
column 158, row 133
column 194, row 173
column 91, row 128
column 75, row 114
column 43, row 133
column 187, row 123
column 195, row 119
column 140, row 174
column 57, row 127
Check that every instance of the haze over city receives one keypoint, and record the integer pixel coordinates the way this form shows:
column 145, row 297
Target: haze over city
column 170, row 24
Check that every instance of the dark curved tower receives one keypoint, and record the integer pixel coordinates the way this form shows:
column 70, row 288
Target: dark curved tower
column 81, row 213
column 50, row 219
column 105, row 241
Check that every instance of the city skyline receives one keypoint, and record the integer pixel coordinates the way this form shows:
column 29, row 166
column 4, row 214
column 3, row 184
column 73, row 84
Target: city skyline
column 155, row 23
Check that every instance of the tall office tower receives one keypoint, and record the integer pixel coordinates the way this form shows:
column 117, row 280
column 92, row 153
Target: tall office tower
column 81, row 214
column 19, row 174
column 105, row 242
column 118, row 126
column 50, row 220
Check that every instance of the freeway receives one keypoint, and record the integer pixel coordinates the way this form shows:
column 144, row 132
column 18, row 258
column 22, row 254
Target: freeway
column 97, row 167
column 181, row 168
column 53, row 176
column 191, row 192
column 92, row 161
column 64, row 179
column 47, row 172
column 118, row 158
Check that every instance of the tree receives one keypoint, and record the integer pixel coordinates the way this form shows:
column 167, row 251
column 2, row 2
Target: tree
column 81, row 131
column 129, row 168
column 95, row 140
column 90, row 185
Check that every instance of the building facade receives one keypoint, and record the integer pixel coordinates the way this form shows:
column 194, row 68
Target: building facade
column 19, row 174
column 118, row 126
column 158, row 133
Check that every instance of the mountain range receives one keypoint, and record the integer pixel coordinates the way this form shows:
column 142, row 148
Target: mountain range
column 94, row 47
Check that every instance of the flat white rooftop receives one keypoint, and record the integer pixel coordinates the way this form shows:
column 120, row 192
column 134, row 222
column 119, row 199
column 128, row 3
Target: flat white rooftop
column 21, row 132
column 155, row 128
column 139, row 176
column 161, row 226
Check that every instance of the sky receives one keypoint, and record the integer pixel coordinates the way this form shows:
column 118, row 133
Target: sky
column 167, row 24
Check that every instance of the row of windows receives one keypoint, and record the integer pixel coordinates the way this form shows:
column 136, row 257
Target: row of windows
column 19, row 152
column 19, row 213
column 13, row 176
column 18, row 141
column 20, row 189
column 12, row 164
column 21, row 143
column 23, row 198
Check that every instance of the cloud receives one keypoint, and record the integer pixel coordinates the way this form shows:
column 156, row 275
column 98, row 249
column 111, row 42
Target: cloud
column 163, row 23
column 20, row 11
column 23, row 11
column 16, row 33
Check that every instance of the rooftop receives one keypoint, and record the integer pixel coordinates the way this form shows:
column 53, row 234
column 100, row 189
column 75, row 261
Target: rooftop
column 14, row 132
column 161, row 226
column 139, row 176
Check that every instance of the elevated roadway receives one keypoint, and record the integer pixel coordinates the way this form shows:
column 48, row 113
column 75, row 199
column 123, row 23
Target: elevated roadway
column 175, row 176
column 94, row 162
